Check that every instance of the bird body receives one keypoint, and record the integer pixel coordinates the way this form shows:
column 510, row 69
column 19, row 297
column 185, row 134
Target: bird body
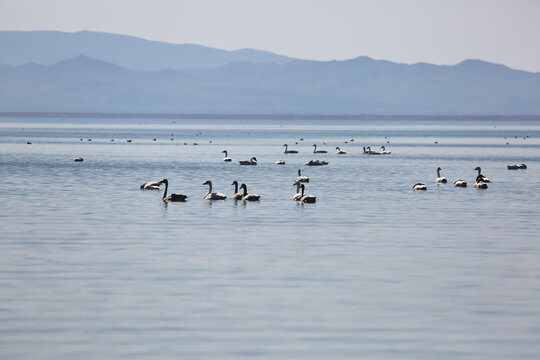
column 419, row 186
column 152, row 185
column 516, row 166
column 480, row 185
column 252, row 161
column 316, row 163
column 339, row 151
column 460, row 183
column 309, row 199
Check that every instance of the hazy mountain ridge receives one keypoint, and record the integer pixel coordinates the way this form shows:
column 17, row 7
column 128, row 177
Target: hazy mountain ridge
column 356, row 86
column 48, row 47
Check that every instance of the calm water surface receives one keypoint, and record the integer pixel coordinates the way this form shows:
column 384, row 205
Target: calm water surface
column 91, row 267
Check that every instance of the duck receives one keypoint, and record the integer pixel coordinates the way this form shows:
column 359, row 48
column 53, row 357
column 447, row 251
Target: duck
column 419, row 186
column 280, row 162
column 301, row 178
column 384, row 152
column 252, row 161
column 315, row 151
column 298, row 194
column 440, row 179
column 226, row 158
column 339, row 151
column 309, row 199
column 480, row 185
column 460, row 183
column 172, row 197
column 516, row 166
column 316, row 163
column 151, row 185
column 77, row 159
column 237, row 195
column 287, row 151
column 249, row 197
column 371, row 152
column 213, row 195
column 480, row 177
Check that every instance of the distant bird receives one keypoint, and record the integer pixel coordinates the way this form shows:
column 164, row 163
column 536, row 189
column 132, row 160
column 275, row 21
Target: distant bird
column 152, row 185
column 172, row 197
column 371, row 152
column 226, row 158
column 213, row 195
column 128, row 140
column 480, row 177
column 315, row 151
column 252, row 161
column 339, row 151
column 440, row 179
column 516, row 166
column 298, row 194
column 309, row 199
column 78, row 159
column 460, row 183
column 28, row 143
column 237, row 195
column 301, row 178
column 480, row 185
column 280, row 162
column 287, row 151
column 316, row 163
column 384, row 152
column 249, row 197
column 419, row 186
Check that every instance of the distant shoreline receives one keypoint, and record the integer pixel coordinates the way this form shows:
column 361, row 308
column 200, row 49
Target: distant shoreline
column 359, row 117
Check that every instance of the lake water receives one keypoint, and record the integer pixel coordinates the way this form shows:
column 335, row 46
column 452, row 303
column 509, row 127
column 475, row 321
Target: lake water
column 91, row 267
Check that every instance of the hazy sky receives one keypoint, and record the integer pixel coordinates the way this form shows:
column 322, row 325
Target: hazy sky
column 434, row 31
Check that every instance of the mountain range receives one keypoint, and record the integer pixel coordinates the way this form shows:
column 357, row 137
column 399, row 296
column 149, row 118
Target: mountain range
column 194, row 79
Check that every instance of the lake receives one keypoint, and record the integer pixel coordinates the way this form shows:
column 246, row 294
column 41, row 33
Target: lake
column 92, row 267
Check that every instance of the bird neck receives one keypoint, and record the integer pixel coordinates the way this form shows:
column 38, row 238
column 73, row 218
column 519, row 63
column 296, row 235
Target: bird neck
column 166, row 188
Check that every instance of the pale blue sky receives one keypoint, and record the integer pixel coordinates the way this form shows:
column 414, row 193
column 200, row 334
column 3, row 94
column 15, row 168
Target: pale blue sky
column 434, row 31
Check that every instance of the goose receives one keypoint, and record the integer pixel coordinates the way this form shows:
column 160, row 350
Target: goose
column 287, row 151
column 516, row 166
column 301, row 178
column 440, row 179
column 226, row 158
column 480, row 177
column 213, row 195
column 172, row 197
column 249, row 197
column 310, row 199
column 419, row 186
column 298, row 194
column 77, row 159
column 371, row 152
column 480, row 185
column 280, row 162
column 316, row 163
column 237, row 195
column 339, row 151
column 384, row 152
column 152, row 185
column 252, row 161
column 460, row 183
column 315, row 151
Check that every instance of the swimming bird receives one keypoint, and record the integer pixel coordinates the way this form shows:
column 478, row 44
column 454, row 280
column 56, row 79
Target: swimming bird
column 316, row 163
column 315, row 151
column 77, row 159
column 301, row 178
column 460, row 183
column 419, row 186
column 371, row 152
column 440, row 179
column 213, row 195
column 384, row 152
column 252, row 161
column 226, row 158
column 249, row 197
column 480, row 185
column 339, row 151
column 298, row 194
column 309, row 199
column 237, row 195
column 287, row 151
column 172, row 197
column 480, row 177
column 280, row 162
column 152, row 185
column 516, row 166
